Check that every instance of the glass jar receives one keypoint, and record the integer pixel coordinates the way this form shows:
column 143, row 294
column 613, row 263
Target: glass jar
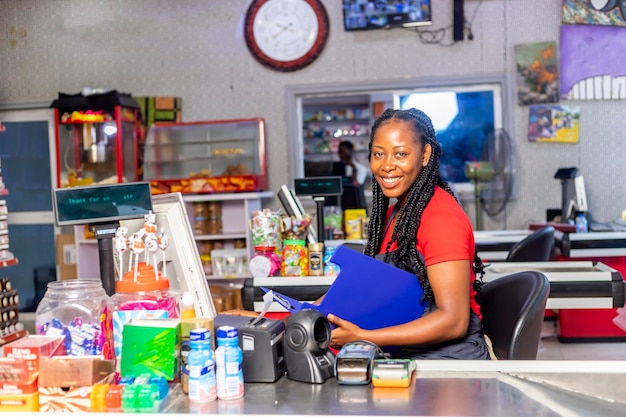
column 264, row 263
column 214, row 209
column 265, row 228
column 213, row 226
column 81, row 311
column 316, row 259
column 295, row 262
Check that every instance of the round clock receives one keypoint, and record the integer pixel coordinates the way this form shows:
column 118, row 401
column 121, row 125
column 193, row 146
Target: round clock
column 286, row 35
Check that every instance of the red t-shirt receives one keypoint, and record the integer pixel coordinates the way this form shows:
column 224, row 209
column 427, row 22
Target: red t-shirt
column 445, row 234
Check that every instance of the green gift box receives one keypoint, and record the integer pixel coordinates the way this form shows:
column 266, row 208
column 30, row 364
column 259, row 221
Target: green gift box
column 151, row 347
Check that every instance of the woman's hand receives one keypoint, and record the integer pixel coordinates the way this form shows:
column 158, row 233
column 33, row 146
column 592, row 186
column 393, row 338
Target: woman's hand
column 238, row 312
column 344, row 332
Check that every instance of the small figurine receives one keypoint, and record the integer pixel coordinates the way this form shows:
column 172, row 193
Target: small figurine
column 149, row 225
column 137, row 248
column 121, row 246
column 152, row 245
column 163, row 242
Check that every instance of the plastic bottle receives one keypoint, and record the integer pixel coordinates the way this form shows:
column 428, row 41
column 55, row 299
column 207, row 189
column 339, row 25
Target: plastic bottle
column 581, row 224
column 202, row 383
column 228, row 360
column 188, row 310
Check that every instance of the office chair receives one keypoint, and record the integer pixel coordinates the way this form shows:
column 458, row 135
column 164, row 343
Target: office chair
column 536, row 247
column 513, row 307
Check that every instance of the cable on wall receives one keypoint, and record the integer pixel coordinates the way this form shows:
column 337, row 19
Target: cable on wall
column 440, row 36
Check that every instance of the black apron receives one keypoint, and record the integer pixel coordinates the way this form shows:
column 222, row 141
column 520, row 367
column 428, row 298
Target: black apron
column 471, row 346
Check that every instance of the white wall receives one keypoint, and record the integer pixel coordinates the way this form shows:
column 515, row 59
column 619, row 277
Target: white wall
column 195, row 49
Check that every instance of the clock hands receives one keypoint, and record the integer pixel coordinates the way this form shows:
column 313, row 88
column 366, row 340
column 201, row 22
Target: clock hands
column 282, row 29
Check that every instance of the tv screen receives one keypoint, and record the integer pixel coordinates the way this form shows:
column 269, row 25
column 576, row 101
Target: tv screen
column 385, row 14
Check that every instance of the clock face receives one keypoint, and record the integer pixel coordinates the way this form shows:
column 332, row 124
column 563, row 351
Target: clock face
column 286, row 35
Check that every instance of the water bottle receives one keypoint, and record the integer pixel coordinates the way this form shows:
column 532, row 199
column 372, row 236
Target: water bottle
column 581, row 224
column 202, row 383
column 228, row 360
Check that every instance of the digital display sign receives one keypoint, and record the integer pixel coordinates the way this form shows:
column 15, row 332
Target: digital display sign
column 101, row 203
column 318, row 186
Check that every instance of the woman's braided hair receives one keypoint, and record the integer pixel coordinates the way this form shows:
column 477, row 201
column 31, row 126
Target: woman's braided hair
column 418, row 196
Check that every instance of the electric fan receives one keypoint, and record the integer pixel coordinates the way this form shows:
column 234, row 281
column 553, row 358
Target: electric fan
column 493, row 176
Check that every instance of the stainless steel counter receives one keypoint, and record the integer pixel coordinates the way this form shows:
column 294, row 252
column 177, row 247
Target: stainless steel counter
column 434, row 392
column 440, row 388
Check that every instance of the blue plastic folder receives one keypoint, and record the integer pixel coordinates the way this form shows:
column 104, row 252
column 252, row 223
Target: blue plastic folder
column 367, row 292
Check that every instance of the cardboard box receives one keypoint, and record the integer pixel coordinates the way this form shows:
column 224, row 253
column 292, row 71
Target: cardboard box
column 69, row 399
column 18, row 386
column 354, row 223
column 32, row 348
column 71, row 371
column 151, row 347
column 67, row 272
column 10, row 401
column 66, row 250
column 160, row 109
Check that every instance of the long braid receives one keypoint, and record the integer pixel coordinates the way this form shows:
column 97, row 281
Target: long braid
column 418, row 196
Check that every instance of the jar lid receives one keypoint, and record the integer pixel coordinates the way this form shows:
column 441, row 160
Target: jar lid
column 148, row 278
column 295, row 242
column 265, row 248
column 318, row 246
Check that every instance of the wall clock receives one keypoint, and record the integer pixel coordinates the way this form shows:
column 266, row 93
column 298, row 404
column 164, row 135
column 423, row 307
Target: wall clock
column 286, row 35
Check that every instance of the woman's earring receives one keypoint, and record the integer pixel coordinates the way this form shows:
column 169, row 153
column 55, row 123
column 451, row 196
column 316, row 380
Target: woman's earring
column 424, row 164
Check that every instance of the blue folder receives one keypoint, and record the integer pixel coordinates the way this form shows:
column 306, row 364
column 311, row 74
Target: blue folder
column 367, row 292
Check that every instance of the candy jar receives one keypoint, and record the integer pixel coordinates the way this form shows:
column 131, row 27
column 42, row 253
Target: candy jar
column 265, row 228
column 81, row 311
column 264, row 263
column 142, row 293
column 295, row 262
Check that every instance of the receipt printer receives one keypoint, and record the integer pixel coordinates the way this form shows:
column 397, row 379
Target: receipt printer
column 261, row 343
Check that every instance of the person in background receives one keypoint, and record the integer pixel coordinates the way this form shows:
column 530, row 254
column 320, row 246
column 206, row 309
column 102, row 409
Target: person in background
column 353, row 170
column 427, row 233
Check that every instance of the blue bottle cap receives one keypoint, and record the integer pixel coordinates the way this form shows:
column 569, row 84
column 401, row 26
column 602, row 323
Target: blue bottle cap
column 199, row 334
column 227, row 332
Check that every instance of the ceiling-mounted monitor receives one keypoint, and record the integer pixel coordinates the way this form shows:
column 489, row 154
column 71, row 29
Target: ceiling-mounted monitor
column 385, row 14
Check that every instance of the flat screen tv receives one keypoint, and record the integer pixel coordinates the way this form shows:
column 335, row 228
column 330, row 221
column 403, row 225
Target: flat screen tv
column 385, row 14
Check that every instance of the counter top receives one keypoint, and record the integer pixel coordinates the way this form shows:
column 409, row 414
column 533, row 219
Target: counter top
column 459, row 388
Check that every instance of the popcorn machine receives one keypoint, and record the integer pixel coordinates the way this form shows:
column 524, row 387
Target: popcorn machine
column 98, row 138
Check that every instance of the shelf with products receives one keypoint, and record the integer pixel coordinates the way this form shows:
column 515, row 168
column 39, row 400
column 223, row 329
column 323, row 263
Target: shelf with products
column 326, row 122
column 235, row 211
column 6, row 256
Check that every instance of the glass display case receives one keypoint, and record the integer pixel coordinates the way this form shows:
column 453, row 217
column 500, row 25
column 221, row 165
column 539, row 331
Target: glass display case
column 97, row 138
column 206, row 157
column 326, row 124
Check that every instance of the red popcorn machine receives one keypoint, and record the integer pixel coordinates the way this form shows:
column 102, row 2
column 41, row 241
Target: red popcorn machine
column 98, row 138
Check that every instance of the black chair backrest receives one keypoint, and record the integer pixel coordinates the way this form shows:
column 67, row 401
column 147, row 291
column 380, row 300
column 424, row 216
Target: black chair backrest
column 513, row 308
column 536, row 247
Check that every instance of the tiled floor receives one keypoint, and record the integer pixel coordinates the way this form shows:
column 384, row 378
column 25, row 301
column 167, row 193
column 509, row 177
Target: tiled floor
column 551, row 349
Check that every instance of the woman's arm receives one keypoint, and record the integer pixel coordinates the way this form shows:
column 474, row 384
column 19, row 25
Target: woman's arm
column 450, row 282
